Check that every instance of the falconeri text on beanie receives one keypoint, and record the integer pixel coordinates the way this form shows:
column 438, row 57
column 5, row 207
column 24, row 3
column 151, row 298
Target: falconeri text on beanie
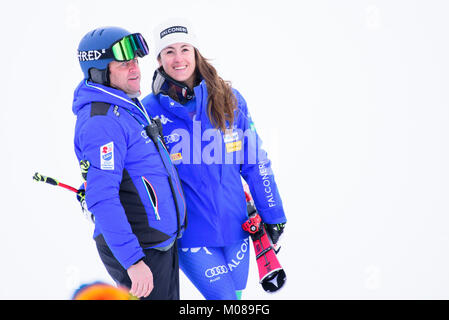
column 172, row 31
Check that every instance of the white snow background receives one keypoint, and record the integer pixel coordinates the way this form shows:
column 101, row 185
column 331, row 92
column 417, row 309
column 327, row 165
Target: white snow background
column 350, row 98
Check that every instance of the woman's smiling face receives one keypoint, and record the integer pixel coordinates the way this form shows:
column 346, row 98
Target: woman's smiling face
column 178, row 61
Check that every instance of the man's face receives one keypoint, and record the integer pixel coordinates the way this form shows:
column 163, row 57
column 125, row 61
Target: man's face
column 125, row 76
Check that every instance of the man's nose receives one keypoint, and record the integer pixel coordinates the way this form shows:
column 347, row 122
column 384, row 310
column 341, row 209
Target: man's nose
column 133, row 65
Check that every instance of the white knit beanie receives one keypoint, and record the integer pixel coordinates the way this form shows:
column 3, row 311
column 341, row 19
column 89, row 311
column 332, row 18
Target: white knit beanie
column 172, row 31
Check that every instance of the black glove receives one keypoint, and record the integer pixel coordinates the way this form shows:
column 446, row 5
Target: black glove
column 275, row 231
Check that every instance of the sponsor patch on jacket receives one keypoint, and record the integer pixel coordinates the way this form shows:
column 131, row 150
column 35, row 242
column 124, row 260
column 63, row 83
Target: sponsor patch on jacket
column 234, row 146
column 176, row 156
column 107, row 156
column 230, row 136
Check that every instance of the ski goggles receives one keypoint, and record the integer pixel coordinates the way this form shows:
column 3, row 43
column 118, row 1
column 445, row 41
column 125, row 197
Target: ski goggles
column 128, row 47
column 125, row 49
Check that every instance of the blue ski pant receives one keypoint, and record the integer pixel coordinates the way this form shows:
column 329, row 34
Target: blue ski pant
column 217, row 272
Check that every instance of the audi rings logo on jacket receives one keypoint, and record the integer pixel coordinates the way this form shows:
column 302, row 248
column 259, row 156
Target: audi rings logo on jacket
column 216, row 271
column 171, row 138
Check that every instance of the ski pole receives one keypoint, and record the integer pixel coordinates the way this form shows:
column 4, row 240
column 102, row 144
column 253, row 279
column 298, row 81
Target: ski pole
column 79, row 193
column 39, row 177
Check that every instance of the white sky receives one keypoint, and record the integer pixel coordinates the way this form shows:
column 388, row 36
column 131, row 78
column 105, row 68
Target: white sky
column 350, row 98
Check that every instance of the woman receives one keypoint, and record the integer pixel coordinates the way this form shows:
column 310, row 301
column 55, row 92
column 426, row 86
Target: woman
column 213, row 143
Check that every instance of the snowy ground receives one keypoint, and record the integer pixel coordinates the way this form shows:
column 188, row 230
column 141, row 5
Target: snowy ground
column 350, row 97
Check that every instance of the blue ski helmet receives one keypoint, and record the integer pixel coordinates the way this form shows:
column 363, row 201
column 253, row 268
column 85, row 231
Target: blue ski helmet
column 94, row 44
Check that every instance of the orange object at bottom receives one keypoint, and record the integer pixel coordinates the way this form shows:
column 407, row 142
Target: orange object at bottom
column 102, row 291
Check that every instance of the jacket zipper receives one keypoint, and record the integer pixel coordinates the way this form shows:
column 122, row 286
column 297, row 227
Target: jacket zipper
column 152, row 196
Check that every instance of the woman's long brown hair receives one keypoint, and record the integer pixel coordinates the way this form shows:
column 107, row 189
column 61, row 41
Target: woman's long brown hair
column 221, row 101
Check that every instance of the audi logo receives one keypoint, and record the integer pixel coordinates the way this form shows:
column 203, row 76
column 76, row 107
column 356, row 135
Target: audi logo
column 216, row 271
column 172, row 138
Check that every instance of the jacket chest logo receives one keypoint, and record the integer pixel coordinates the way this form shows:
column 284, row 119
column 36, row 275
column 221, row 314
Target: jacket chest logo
column 163, row 119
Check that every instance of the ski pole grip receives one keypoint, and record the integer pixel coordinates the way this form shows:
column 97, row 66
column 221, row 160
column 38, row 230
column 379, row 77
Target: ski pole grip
column 38, row 177
column 84, row 166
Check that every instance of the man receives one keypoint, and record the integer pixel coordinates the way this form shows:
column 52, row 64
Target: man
column 132, row 188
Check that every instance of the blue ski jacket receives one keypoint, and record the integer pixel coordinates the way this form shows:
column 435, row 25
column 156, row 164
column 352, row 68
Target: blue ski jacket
column 211, row 165
column 132, row 189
